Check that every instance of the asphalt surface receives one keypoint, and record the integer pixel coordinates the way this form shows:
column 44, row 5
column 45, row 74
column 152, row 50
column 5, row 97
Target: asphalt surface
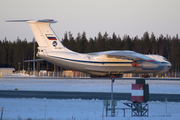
column 83, row 95
column 101, row 78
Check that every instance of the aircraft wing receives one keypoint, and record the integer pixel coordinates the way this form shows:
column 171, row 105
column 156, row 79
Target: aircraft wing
column 130, row 55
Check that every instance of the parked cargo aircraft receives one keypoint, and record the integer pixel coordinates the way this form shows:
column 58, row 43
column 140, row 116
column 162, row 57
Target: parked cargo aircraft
column 97, row 63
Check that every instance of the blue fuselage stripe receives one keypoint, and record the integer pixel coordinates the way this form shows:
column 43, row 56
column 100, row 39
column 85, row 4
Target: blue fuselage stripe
column 91, row 61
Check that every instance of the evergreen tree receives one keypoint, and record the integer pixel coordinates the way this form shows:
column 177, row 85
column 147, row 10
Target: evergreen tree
column 10, row 54
column 137, row 45
column 78, row 39
column 100, row 45
column 154, row 44
column 91, row 46
column 65, row 40
column 146, row 43
column 83, row 43
column 119, row 43
column 127, row 43
column 72, row 42
column 104, row 41
column 160, row 44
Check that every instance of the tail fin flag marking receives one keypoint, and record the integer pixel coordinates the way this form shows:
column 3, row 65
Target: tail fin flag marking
column 51, row 37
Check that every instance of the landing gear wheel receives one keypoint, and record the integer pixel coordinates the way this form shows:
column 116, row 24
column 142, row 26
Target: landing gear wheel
column 145, row 76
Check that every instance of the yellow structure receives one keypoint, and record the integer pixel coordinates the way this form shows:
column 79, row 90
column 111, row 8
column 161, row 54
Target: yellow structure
column 68, row 73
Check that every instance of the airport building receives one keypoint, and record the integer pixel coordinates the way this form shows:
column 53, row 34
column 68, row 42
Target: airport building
column 6, row 71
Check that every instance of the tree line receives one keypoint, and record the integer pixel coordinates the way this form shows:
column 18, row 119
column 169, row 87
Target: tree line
column 13, row 53
column 167, row 46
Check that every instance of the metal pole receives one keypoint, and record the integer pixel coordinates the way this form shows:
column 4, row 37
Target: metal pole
column 166, row 105
column 103, row 113
column 19, row 67
column 2, row 109
column 112, row 96
column 34, row 58
column 45, row 112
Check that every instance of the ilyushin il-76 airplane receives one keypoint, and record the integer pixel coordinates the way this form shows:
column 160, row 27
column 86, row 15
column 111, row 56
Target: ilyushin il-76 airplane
column 96, row 64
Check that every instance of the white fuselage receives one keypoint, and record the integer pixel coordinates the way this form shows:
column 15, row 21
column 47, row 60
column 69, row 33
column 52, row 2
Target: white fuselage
column 100, row 64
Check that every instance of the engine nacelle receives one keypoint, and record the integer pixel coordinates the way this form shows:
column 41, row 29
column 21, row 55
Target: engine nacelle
column 144, row 65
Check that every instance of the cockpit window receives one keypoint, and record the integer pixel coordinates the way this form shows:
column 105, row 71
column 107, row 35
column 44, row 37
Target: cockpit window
column 165, row 59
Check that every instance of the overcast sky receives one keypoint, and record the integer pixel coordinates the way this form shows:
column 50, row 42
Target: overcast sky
column 131, row 17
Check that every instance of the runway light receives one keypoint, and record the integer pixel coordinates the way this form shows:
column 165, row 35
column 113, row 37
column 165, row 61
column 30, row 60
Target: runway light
column 114, row 79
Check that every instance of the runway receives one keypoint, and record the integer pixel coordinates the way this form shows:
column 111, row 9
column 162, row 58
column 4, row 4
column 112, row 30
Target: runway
column 83, row 95
column 102, row 78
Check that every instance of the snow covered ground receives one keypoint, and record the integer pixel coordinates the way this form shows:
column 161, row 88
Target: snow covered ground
column 77, row 109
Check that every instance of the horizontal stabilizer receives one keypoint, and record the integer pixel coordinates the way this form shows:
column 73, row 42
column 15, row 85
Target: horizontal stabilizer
column 36, row 60
column 43, row 20
column 17, row 20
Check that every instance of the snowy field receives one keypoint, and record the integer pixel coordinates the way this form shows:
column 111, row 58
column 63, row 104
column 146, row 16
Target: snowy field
column 77, row 109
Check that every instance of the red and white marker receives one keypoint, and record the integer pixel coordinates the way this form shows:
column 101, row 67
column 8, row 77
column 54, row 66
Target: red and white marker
column 137, row 94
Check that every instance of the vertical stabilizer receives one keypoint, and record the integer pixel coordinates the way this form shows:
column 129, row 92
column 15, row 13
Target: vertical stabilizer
column 44, row 35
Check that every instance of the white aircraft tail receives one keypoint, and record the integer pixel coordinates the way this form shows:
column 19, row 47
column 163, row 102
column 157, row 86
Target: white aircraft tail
column 44, row 35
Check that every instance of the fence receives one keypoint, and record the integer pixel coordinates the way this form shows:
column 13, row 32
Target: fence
column 70, row 73
column 58, row 73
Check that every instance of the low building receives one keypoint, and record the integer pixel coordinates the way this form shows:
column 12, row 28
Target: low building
column 6, row 71
column 68, row 73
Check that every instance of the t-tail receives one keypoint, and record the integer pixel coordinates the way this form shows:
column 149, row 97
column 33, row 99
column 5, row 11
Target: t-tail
column 45, row 36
